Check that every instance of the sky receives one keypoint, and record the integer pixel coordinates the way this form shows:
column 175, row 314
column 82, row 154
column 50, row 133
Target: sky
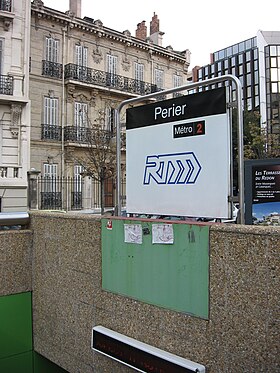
column 203, row 26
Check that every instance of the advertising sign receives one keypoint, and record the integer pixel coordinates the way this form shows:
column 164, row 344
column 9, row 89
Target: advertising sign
column 178, row 156
column 263, row 192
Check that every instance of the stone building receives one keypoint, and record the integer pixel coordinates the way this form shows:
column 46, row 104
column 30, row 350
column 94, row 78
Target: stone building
column 80, row 71
column 14, row 104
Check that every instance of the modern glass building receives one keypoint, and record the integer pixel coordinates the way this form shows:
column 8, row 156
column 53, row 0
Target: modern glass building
column 256, row 62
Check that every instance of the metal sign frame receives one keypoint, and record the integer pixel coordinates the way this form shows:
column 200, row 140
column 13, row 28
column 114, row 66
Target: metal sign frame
column 188, row 87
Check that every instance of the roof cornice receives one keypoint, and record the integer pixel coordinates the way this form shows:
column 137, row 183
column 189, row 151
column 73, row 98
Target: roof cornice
column 97, row 28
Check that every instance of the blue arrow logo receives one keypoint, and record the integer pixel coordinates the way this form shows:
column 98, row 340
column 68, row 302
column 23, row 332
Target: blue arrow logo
column 177, row 168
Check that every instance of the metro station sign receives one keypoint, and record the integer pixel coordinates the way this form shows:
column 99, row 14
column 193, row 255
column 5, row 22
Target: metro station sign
column 178, row 156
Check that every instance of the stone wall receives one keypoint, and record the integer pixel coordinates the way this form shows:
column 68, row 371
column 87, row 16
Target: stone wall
column 15, row 261
column 241, row 334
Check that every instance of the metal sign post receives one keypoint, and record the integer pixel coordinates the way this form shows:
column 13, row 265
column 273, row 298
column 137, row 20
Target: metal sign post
column 188, row 87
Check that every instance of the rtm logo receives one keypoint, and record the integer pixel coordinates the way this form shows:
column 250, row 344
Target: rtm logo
column 177, row 168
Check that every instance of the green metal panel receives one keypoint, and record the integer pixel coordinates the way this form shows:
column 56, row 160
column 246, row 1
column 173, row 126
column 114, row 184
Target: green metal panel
column 15, row 325
column 16, row 354
column 43, row 365
column 22, row 363
column 173, row 276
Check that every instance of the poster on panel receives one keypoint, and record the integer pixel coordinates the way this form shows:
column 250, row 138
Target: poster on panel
column 262, row 192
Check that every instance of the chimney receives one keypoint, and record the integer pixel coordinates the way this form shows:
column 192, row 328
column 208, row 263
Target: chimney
column 141, row 32
column 155, row 34
column 154, row 24
column 75, row 7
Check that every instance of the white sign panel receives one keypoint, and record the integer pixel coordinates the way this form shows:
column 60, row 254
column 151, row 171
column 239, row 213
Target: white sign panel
column 178, row 157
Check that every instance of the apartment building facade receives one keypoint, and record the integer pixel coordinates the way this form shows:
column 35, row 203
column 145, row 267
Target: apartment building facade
column 14, row 104
column 80, row 71
column 256, row 62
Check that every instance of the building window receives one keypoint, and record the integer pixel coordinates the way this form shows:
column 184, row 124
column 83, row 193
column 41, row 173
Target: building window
column 177, row 81
column 111, row 70
column 158, row 78
column 235, row 49
column 109, row 124
column 51, row 67
column 51, row 53
column 111, row 64
column 51, row 111
column 80, row 121
column 76, row 202
column 273, row 50
column 50, row 170
column 139, row 71
column 139, row 78
column 50, row 127
column 274, row 87
column 81, row 58
column 81, row 55
column 50, row 188
column 81, row 110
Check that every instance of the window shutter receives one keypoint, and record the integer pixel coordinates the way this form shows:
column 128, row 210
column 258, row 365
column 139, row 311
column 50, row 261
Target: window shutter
column 159, row 78
column 111, row 64
column 51, row 111
column 51, row 50
column 81, row 56
column 139, row 71
column 81, row 110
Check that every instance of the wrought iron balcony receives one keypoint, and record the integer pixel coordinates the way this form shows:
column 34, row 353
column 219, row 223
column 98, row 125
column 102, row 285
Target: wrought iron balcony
column 6, row 85
column 104, row 79
column 51, row 132
column 6, row 5
column 76, row 134
column 85, row 135
column 52, row 69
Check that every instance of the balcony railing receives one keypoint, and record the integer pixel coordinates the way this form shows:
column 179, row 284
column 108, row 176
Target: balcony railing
column 52, row 69
column 76, row 134
column 85, row 135
column 82, row 135
column 6, row 5
column 104, row 79
column 51, row 132
column 6, row 85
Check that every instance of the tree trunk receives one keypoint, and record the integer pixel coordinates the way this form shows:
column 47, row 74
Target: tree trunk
column 102, row 187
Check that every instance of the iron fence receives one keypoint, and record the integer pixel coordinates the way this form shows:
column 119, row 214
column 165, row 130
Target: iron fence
column 59, row 193
column 70, row 193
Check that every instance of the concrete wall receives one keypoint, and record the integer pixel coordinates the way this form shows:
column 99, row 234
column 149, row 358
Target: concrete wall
column 15, row 262
column 241, row 334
